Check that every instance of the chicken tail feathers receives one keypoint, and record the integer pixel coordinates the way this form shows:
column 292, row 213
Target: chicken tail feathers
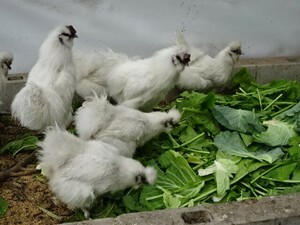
column 92, row 116
column 32, row 107
column 58, row 147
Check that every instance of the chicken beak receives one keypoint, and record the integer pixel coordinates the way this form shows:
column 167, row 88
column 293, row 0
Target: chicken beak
column 75, row 36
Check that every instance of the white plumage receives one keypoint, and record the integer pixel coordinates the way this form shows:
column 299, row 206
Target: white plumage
column 136, row 83
column 123, row 127
column 47, row 96
column 92, row 71
column 6, row 59
column 207, row 73
column 79, row 171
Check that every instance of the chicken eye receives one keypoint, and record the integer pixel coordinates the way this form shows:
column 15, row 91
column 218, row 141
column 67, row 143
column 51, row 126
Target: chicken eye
column 178, row 58
column 66, row 34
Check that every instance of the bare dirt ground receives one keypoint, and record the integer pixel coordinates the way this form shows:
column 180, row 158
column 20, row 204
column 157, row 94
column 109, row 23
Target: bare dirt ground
column 29, row 199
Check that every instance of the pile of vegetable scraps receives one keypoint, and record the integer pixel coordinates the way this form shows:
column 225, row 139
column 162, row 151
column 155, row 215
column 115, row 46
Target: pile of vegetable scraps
column 227, row 147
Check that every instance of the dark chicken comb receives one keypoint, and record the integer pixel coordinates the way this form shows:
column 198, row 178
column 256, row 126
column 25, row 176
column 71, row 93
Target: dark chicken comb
column 72, row 30
column 185, row 60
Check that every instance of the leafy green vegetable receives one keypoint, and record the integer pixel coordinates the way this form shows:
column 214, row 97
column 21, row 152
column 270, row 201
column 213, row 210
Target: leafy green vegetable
column 231, row 143
column 132, row 202
column 294, row 149
column 270, row 156
column 243, row 121
column 246, row 167
column 223, row 169
column 178, row 179
column 243, row 79
column 170, row 201
column 3, row 206
column 290, row 114
column 282, row 173
column 278, row 133
column 25, row 143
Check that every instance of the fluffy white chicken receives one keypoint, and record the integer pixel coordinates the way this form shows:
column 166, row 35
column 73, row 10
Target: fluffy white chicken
column 207, row 73
column 79, row 171
column 47, row 96
column 92, row 70
column 6, row 59
column 123, row 127
column 138, row 83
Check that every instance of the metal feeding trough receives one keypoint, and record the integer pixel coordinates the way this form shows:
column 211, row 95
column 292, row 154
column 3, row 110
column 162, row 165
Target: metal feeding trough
column 277, row 210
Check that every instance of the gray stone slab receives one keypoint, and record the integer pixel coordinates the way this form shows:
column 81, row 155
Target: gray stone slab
column 279, row 210
column 9, row 88
column 265, row 70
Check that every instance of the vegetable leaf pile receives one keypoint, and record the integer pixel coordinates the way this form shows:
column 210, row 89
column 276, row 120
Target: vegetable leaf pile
column 227, row 147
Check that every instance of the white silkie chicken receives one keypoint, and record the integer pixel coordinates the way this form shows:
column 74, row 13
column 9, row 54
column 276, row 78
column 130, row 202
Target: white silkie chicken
column 207, row 73
column 79, row 171
column 140, row 83
column 47, row 96
column 123, row 127
column 6, row 59
column 92, row 70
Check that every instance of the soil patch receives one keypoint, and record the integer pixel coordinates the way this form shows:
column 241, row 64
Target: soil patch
column 29, row 199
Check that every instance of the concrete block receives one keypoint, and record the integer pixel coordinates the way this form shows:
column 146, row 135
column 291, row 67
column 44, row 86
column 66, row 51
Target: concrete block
column 284, row 210
column 265, row 70
column 9, row 88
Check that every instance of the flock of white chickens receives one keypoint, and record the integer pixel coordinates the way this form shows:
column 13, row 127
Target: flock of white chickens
column 100, row 159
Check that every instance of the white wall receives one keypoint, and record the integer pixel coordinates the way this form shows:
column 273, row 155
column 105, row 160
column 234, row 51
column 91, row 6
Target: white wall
column 140, row 27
